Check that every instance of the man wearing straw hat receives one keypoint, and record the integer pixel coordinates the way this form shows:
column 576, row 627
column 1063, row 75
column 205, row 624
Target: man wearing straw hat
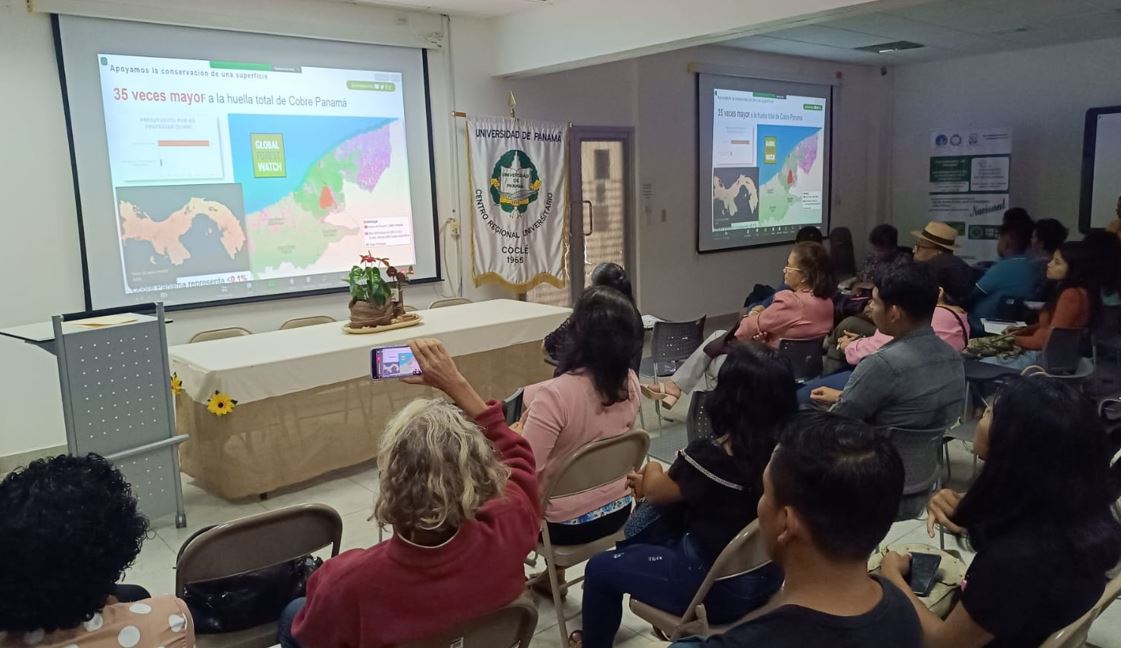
column 935, row 245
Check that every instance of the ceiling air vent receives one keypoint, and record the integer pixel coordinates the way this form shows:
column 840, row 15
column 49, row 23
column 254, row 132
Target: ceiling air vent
column 894, row 46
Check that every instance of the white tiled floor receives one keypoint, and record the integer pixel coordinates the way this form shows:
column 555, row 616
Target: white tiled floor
column 352, row 493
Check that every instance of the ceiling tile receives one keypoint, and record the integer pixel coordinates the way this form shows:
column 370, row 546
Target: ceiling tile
column 831, row 36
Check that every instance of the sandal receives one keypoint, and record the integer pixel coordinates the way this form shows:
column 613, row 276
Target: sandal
column 576, row 639
column 658, row 392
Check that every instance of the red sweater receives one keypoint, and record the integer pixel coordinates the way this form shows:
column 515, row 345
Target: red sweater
column 396, row 591
column 1072, row 310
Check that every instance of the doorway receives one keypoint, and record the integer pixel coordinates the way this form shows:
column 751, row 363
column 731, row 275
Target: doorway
column 600, row 213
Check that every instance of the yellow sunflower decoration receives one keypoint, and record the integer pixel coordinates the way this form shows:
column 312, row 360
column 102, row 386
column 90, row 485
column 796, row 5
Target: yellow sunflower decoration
column 176, row 384
column 220, row 404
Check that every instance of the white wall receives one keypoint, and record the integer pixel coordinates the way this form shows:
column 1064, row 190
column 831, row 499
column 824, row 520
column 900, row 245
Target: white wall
column 1041, row 94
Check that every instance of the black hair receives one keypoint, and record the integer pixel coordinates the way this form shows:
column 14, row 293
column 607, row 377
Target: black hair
column 953, row 276
column 1047, row 474
column 911, row 287
column 605, row 335
column 1018, row 217
column 884, row 237
column 1051, row 234
column 1017, row 234
column 69, row 527
column 814, row 262
column 1082, row 272
column 1107, row 258
column 755, row 393
column 614, row 276
column 844, row 479
column 809, row 233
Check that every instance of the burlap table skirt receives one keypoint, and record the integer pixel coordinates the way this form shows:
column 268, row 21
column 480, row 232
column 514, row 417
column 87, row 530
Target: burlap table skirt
column 285, row 440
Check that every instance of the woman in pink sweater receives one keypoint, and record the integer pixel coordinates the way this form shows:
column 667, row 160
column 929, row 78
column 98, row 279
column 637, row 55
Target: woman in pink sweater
column 460, row 491
column 805, row 311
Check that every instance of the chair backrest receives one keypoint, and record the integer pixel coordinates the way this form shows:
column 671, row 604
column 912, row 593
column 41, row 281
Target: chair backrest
column 512, row 406
column 219, row 334
column 697, row 424
column 1063, row 351
column 921, row 451
column 297, row 322
column 805, row 356
column 597, row 464
column 745, row 552
column 444, row 303
column 841, row 252
column 1010, row 309
column 1074, row 635
column 258, row 541
column 507, row 627
column 672, row 342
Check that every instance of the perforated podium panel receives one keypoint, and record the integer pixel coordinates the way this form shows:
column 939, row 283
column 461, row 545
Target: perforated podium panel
column 117, row 403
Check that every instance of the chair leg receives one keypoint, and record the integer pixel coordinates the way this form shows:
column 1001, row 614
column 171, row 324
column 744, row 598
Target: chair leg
column 946, row 452
column 642, row 415
column 554, row 585
column 658, row 413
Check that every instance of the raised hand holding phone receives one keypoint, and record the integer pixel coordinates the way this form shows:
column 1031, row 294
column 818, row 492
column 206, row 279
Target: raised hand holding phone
column 438, row 370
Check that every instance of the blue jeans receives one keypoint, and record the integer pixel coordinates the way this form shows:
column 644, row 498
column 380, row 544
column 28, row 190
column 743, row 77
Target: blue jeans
column 836, row 381
column 665, row 577
column 284, row 624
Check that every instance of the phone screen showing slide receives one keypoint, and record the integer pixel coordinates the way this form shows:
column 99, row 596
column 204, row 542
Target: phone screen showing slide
column 394, row 362
column 768, row 166
column 262, row 178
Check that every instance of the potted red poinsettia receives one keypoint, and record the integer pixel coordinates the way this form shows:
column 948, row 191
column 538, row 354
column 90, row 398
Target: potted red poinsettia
column 372, row 298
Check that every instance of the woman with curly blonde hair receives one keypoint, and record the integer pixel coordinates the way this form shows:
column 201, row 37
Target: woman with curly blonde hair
column 460, row 491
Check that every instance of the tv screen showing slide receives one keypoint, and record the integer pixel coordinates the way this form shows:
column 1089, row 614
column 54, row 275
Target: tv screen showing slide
column 243, row 172
column 1101, row 168
column 763, row 156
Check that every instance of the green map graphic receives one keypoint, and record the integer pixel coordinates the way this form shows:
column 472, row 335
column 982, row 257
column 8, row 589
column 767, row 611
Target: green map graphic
column 775, row 199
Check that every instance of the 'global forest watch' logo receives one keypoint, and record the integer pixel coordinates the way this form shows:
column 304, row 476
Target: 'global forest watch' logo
column 514, row 184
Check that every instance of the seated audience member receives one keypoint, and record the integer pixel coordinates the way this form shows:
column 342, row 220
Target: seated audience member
column 936, row 243
column 1106, row 250
column 804, row 311
column 885, row 253
column 763, row 295
column 69, row 527
column 886, row 390
column 458, row 487
column 949, row 321
column 1073, row 269
column 706, row 498
column 1014, row 276
column 1047, row 236
column 611, row 275
column 1018, row 217
column 1039, row 515
column 830, row 494
column 595, row 397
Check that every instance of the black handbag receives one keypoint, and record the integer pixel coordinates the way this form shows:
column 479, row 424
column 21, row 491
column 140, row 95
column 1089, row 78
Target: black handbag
column 246, row 600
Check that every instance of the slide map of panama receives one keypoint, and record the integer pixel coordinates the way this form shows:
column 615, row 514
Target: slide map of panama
column 308, row 216
column 797, row 165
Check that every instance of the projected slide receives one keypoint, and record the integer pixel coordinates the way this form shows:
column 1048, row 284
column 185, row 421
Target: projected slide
column 230, row 173
column 1101, row 168
column 767, row 166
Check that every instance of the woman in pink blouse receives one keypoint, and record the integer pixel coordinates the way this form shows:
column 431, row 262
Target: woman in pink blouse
column 805, row 311
column 594, row 397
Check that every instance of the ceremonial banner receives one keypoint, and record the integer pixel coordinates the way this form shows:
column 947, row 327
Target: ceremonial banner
column 969, row 179
column 518, row 173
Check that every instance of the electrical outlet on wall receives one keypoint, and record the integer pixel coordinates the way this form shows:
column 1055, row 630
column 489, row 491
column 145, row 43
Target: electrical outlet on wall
column 453, row 227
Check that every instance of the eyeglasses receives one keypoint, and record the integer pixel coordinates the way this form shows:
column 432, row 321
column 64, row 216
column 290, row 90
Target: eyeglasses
column 792, row 269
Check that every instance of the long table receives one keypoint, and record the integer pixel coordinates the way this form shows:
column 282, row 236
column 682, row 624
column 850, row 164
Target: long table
column 306, row 404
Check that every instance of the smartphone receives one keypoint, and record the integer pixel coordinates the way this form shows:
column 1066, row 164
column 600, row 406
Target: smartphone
column 393, row 362
column 924, row 572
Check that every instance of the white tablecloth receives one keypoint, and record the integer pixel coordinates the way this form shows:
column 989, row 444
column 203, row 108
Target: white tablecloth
column 264, row 365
